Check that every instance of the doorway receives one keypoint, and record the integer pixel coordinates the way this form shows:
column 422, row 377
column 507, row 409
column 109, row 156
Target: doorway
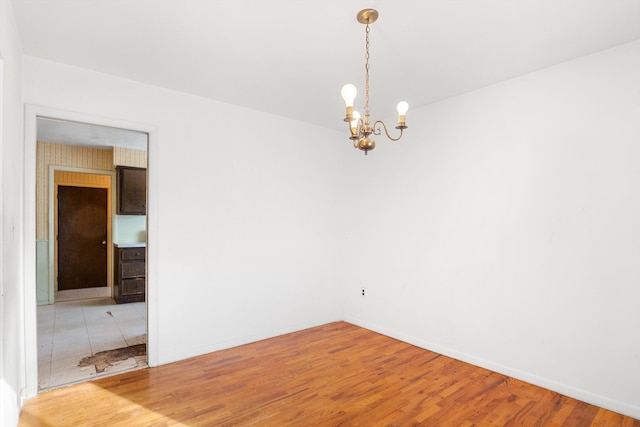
column 32, row 245
column 82, row 325
column 81, row 237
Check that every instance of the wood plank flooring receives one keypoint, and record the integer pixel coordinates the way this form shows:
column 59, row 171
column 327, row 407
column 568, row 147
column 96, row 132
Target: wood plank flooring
column 332, row 375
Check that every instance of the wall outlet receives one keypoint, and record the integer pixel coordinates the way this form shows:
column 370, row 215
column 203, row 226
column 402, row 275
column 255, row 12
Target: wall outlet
column 363, row 292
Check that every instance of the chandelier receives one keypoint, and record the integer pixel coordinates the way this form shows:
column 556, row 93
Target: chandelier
column 361, row 129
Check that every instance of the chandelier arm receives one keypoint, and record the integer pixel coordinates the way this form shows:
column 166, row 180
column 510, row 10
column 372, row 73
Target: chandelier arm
column 361, row 127
column 377, row 131
column 360, row 131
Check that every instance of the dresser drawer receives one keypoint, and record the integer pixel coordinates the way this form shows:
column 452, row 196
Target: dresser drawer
column 132, row 287
column 132, row 253
column 132, row 269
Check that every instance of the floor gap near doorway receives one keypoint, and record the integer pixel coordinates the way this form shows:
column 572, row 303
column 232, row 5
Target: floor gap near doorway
column 82, row 324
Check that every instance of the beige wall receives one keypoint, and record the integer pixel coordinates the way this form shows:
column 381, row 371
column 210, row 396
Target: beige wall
column 129, row 157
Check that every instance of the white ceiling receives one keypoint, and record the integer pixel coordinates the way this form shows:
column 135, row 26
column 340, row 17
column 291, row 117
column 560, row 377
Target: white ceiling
column 291, row 57
column 101, row 137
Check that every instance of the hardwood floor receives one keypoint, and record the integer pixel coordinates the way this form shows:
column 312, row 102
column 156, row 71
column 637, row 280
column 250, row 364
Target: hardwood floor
column 332, row 375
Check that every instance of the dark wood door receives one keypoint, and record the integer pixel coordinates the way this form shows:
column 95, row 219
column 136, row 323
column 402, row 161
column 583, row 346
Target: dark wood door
column 82, row 237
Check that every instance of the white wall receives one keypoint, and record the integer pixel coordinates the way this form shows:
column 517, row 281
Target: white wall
column 12, row 369
column 245, row 207
column 504, row 229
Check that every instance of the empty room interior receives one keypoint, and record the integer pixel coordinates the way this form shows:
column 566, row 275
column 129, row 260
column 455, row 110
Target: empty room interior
column 292, row 256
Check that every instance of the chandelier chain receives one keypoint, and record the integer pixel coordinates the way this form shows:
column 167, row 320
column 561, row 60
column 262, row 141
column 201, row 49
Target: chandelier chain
column 366, row 68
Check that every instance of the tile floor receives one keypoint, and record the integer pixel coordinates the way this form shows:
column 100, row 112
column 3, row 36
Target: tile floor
column 81, row 323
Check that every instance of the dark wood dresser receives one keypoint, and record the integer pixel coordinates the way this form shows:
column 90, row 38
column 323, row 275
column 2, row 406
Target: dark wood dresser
column 130, row 273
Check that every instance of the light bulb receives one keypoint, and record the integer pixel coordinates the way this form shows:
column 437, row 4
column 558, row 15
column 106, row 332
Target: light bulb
column 355, row 117
column 353, row 125
column 402, row 108
column 402, row 111
column 349, row 93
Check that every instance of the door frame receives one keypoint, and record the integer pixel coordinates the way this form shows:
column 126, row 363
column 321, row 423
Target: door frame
column 31, row 114
column 53, row 220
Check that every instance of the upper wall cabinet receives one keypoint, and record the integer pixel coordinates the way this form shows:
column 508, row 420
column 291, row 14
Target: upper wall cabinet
column 132, row 190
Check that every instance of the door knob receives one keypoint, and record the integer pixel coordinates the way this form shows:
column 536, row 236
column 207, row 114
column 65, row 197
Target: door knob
column 104, row 242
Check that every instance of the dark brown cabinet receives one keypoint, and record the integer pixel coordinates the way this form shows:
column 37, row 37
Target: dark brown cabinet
column 130, row 276
column 132, row 190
